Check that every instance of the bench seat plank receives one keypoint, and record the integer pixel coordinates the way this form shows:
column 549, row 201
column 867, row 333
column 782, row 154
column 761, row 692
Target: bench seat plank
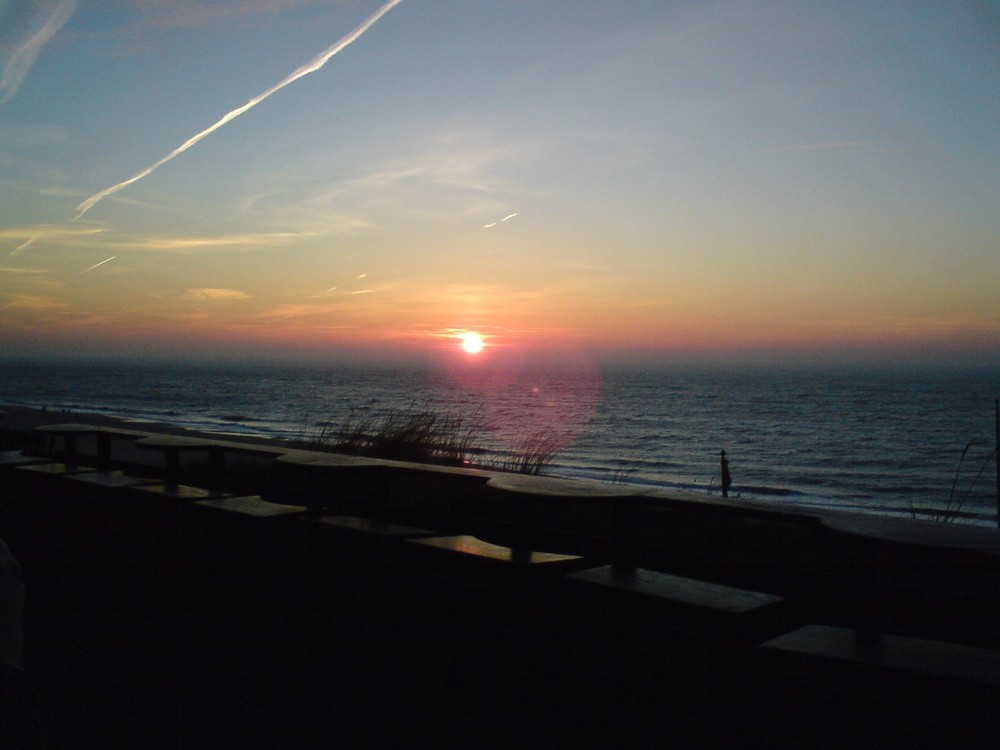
column 369, row 526
column 475, row 549
column 58, row 469
column 664, row 586
column 110, row 479
column 252, row 505
column 904, row 653
column 178, row 491
column 16, row 458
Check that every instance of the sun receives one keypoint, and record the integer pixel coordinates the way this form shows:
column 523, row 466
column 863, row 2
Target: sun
column 472, row 342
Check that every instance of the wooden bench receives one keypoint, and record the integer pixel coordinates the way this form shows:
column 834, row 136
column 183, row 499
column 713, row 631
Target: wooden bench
column 55, row 468
column 175, row 491
column 17, row 458
column 893, row 652
column 566, row 502
column 246, row 539
column 354, row 544
column 172, row 446
column 682, row 604
column 475, row 553
column 880, row 690
column 505, row 594
column 70, row 433
column 358, row 526
column 110, row 479
column 252, row 505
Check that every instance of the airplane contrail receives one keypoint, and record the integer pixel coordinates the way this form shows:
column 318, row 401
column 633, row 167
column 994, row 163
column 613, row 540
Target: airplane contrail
column 18, row 55
column 494, row 223
column 311, row 67
column 22, row 247
column 96, row 265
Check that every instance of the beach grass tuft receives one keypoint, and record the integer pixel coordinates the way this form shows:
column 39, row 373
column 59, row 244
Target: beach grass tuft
column 423, row 435
column 622, row 472
column 532, row 455
column 958, row 497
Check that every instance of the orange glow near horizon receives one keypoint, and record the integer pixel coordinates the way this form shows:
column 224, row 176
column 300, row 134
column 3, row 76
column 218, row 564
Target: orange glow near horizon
column 379, row 224
column 401, row 322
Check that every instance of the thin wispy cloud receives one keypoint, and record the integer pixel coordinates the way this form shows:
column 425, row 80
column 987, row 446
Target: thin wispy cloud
column 288, row 312
column 26, row 279
column 229, row 242
column 508, row 217
column 325, row 293
column 50, row 233
column 31, row 303
column 22, row 247
column 26, row 26
column 96, row 236
column 311, row 67
column 249, row 202
column 446, row 178
column 23, row 271
column 335, row 291
column 98, row 265
column 213, row 294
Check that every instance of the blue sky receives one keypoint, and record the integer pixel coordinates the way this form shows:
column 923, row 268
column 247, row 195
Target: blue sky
column 636, row 179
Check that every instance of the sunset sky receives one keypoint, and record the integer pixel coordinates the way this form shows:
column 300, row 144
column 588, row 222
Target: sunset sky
column 655, row 179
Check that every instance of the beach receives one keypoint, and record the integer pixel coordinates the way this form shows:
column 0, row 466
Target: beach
column 384, row 374
column 287, row 626
column 881, row 442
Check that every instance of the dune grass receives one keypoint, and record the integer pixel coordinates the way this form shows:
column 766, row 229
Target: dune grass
column 424, row 435
column 421, row 436
column 622, row 472
column 958, row 497
column 532, row 455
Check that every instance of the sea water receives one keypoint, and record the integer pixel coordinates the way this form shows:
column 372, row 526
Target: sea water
column 889, row 442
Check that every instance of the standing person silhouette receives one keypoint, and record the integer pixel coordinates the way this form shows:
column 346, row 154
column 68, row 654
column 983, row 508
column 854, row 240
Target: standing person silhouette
column 726, row 480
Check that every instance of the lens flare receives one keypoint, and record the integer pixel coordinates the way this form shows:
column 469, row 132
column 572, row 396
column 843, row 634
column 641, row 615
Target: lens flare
column 524, row 401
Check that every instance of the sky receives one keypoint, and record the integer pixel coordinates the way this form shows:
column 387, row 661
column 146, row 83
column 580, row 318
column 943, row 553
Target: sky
column 650, row 180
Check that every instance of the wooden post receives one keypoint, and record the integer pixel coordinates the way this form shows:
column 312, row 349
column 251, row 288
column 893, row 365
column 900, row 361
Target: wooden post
column 996, row 451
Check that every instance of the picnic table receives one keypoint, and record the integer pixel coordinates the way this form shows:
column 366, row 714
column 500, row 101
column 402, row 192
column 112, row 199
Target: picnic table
column 70, row 432
column 531, row 494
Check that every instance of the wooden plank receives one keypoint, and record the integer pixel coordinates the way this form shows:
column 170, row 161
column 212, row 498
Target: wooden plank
column 16, row 458
column 178, row 491
column 58, row 469
column 252, row 505
column 652, row 584
column 475, row 549
column 372, row 527
column 110, row 479
column 939, row 658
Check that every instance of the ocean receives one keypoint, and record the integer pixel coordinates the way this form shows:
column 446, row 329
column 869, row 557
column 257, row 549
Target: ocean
column 890, row 442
